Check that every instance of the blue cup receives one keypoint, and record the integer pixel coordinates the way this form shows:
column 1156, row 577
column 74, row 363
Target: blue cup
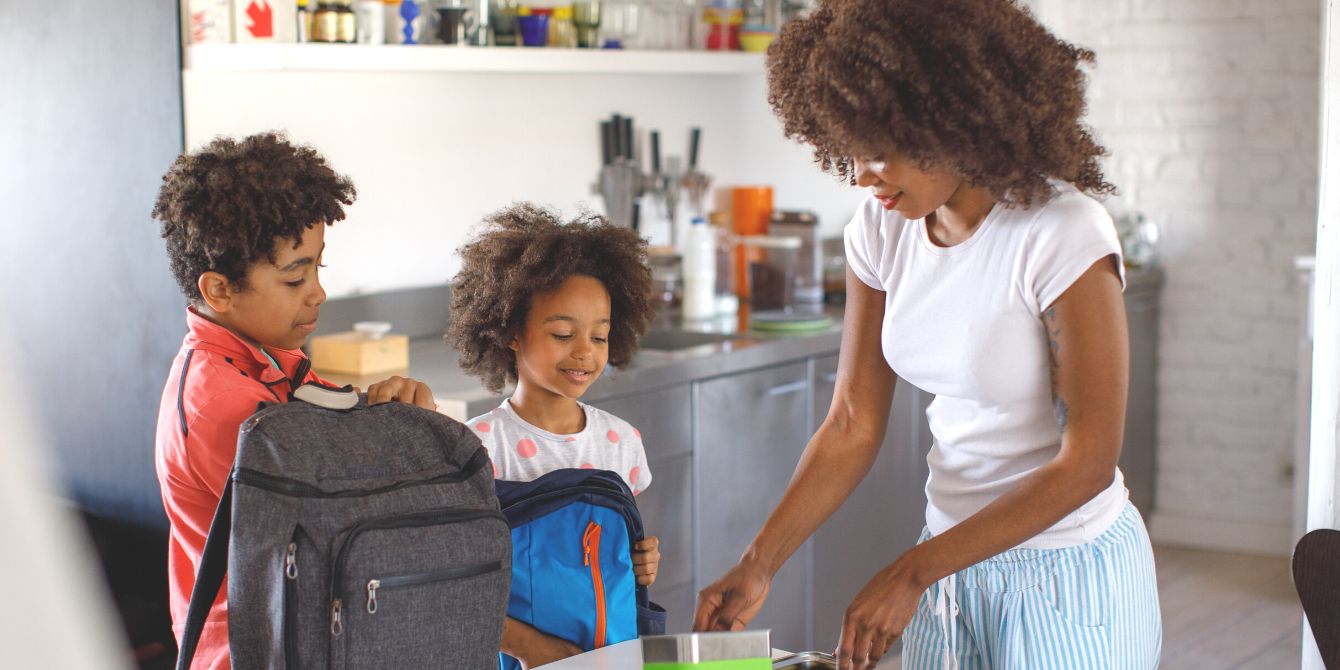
column 534, row 29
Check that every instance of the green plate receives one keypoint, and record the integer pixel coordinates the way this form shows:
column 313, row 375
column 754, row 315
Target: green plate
column 779, row 321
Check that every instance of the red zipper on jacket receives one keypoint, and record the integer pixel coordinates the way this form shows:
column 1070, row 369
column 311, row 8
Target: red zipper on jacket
column 591, row 546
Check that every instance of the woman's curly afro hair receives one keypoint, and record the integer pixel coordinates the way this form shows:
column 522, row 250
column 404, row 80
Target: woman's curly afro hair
column 525, row 250
column 977, row 87
column 229, row 204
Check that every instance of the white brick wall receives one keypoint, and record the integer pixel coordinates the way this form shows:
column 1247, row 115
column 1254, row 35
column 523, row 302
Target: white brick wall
column 1210, row 111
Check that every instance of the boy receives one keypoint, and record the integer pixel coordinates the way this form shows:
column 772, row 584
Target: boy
column 245, row 226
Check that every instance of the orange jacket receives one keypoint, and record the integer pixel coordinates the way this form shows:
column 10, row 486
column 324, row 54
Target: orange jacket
column 216, row 382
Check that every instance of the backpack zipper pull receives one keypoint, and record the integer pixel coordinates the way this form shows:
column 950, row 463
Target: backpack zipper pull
column 592, row 530
column 291, row 561
column 336, row 626
column 373, row 585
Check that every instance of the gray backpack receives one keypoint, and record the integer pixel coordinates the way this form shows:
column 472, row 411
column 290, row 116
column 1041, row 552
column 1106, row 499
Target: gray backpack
column 361, row 538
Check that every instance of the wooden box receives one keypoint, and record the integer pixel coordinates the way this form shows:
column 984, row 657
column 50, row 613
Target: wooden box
column 355, row 353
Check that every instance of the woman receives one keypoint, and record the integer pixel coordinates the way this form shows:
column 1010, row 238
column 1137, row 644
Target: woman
column 981, row 272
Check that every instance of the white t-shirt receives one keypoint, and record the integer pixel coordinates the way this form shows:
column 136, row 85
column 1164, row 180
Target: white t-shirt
column 965, row 324
column 522, row 451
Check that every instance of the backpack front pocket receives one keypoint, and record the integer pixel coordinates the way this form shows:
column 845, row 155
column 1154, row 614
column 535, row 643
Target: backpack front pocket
column 377, row 586
column 302, row 569
column 396, row 576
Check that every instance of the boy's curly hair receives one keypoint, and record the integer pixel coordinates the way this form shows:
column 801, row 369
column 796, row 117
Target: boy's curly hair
column 228, row 204
column 525, row 250
column 977, row 87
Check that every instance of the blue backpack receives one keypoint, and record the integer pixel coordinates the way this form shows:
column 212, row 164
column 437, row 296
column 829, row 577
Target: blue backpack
column 572, row 565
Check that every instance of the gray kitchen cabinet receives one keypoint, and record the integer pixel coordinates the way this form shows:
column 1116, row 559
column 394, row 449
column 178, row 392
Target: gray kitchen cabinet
column 679, row 602
column 1140, row 438
column 664, row 418
column 749, row 431
column 884, row 515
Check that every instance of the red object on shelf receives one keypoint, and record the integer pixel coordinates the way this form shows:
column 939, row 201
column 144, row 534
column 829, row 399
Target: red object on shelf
column 262, row 19
column 717, row 32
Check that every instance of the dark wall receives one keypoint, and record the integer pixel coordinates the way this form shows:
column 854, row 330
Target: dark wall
column 90, row 118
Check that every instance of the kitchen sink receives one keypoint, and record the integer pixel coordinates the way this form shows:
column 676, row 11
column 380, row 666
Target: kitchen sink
column 675, row 340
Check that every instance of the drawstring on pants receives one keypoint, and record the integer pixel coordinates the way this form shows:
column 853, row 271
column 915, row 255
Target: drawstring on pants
column 946, row 609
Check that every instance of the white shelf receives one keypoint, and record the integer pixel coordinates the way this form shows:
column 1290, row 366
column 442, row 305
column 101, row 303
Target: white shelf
column 443, row 58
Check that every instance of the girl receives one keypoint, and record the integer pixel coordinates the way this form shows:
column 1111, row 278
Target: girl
column 982, row 272
column 546, row 306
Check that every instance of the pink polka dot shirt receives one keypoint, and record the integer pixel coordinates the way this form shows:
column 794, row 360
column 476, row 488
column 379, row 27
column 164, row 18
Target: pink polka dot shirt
column 523, row 452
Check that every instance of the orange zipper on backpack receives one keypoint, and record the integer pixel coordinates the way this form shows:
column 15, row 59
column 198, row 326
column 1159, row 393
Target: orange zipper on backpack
column 591, row 546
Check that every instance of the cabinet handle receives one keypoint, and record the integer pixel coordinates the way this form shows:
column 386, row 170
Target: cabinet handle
column 789, row 388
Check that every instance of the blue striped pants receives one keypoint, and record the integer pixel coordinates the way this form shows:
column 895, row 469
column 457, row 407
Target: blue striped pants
column 1092, row 606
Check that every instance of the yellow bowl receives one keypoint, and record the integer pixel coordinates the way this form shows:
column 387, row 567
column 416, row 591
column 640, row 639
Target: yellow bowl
column 756, row 42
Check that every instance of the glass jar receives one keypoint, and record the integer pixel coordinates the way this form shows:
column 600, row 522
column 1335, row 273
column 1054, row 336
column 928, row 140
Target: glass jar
column 772, row 280
column 665, row 271
column 809, row 266
column 562, row 32
column 325, row 22
column 346, row 22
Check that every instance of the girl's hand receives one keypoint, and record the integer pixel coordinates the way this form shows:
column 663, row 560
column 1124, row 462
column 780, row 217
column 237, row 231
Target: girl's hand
column 877, row 617
column 403, row 389
column 647, row 560
column 733, row 601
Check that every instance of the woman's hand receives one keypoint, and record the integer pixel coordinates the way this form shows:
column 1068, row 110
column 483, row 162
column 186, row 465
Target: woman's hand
column 877, row 617
column 733, row 601
column 647, row 560
column 403, row 389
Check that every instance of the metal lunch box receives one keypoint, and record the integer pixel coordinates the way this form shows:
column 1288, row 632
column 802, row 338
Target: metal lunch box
column 685, row 650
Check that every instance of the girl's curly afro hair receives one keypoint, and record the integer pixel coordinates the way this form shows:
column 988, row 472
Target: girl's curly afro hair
column 229, row 204
column 525, row 250
column 977, row 87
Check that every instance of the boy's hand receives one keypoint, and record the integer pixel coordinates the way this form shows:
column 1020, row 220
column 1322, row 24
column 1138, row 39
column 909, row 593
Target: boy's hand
column 545, row 649
column 402, row 389
column 647, row 560
column 532, row 647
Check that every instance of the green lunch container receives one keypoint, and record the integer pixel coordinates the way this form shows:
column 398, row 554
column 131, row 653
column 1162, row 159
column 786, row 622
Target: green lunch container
column 745, row 650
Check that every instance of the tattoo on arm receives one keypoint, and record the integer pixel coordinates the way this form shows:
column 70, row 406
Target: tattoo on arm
column 1054, row 351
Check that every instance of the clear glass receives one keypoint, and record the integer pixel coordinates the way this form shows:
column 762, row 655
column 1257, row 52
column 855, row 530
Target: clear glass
column 666, row 25
column 621, row 23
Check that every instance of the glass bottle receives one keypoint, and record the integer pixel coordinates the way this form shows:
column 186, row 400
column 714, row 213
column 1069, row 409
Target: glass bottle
column 304, row 22
column 587, row 16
